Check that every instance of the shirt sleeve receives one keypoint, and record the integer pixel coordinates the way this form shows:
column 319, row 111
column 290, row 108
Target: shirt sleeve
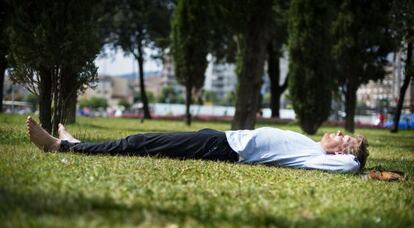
column 337, row 163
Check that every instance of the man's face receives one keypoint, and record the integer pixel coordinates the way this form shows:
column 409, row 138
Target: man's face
column 337, row 142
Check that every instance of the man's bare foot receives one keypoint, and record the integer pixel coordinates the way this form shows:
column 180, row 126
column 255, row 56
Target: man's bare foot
column 65, row 135
column 40, row 137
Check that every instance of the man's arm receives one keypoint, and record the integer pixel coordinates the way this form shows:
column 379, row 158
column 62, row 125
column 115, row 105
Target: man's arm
column 337, row 163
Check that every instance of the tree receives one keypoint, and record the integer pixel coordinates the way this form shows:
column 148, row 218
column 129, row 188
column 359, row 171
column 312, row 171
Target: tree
column 275, row 52
column 362, row 43
column 402, row 22
column 94, row 103
column 229, row 99
column 309, row 60
column 138, row 24
column 252, row 39
column 189, row 32
column 210, row 97
column 151, row 97
column 32, row 99
column 3, row 48
column 170, row 96
column 125, row 104
column 52, row 48
column 222, row 37
column 250, row 23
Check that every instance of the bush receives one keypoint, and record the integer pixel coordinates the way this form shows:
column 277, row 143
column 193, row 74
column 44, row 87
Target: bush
column 93, row 103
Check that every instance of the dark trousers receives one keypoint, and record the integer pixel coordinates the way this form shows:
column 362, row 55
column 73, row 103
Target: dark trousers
column 205, row 144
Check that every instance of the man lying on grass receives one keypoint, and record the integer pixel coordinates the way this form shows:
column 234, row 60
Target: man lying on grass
column 272, row 146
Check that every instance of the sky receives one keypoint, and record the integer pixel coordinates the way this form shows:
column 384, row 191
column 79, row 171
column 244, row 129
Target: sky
column 115, row 63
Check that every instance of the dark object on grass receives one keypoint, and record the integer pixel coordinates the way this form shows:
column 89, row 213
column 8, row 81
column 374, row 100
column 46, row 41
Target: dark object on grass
column 386, row 175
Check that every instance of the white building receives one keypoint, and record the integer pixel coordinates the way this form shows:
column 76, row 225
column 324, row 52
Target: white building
column 220, row 78
column 167, row 74
column 113, row 89
column 386, row 92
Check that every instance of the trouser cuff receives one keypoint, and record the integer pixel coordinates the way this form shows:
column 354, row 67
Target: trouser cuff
column 66, row 146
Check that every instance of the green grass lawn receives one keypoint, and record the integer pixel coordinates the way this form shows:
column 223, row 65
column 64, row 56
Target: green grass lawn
column 66, row 189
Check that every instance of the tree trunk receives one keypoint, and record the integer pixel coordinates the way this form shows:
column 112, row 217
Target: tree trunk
column 58, row 101
column 250, row 77
column 147, row 114
column 71, row 108
column 3, row 66
column 69, row 95
column 274, row 75
column 408, row 75
column 188, row 103
column 45, row 100
column 350, row 104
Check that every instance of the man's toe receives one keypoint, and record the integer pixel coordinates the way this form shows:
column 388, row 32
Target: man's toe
column 31, row 120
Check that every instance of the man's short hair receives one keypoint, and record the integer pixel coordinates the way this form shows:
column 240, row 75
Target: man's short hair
column 360, row 150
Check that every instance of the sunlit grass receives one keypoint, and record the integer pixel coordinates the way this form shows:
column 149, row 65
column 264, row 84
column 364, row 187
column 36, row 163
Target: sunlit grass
column 66, row 189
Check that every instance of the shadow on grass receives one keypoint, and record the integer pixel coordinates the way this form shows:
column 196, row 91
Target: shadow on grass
column 391, row 164
column 121, row 128
column 36, row 205
column 90, row 125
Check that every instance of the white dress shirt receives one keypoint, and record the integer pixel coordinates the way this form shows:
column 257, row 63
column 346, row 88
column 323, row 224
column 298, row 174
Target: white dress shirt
column 287, row 148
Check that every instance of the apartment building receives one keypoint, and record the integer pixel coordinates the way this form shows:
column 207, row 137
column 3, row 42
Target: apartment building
column 385, row 93
column 220, row 78
column 113, row 89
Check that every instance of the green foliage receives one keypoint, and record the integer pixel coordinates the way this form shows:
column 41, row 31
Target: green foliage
column 221, row 43
column 279, row 31
column 4, row 17
column 125, row 104
column 151, row 97
column 250, row 23
column 53, row 45
column 54, row 35
column 266, row 100
column 275, row 51
column 170, row 95
column 310, row 79
column 33, row 100
column 189, row 31
column 137, row 24
column 210, row 97
column 74, row 190
column 362, row 40
column 402, row 20
column 362, row 43
column 94, row 103
column 229, row 99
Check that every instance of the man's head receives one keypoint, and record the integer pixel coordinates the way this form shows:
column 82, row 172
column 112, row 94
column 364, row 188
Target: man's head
column 340, row 143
